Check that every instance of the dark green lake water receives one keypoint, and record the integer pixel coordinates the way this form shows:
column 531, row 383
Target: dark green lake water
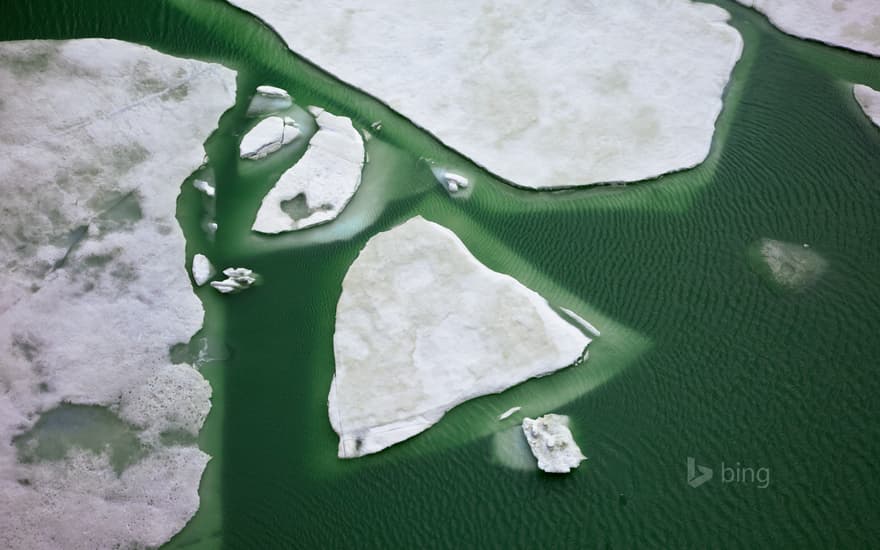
column 700, row 355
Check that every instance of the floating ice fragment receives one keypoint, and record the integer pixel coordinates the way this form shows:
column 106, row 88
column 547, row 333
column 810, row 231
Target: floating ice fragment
column 268, row 136
column 421, row 326
column 450, row 181
column 581, row 321
column 318, row 187
column 269, row 99
column 237, row 279
column 508, row 413
column 273, row 92
column 552, row 444
column 204, row 187
column 202, row 269
column 869, row 100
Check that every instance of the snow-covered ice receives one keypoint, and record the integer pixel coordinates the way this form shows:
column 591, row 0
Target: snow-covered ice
column 202, row 269
column 205, row 187
column 267, row 137
column 508, row 413
column 853, row 24
column 269, row 99
column 552, row 444
column 321, row 184
column 422, row 326
column 543, row 94
column 237, row 279
column 97, row 137
column 273, row 92
column 869, row 100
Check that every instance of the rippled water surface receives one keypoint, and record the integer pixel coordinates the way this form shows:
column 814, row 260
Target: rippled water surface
column 701, row 355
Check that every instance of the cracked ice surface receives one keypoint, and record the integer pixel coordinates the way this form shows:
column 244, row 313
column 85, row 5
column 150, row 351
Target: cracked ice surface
column 325, row 178
column 422, row 326
column 853, row 24
column 268, row 136
column 543, row 94
column 97, row 137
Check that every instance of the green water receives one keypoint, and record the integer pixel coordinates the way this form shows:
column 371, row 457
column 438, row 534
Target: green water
column 700, row 355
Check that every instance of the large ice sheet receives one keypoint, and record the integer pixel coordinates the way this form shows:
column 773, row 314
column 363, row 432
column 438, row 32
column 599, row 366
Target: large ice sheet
column 853, row 24
column 97, row 137
column 543, row 94
column 422, row 326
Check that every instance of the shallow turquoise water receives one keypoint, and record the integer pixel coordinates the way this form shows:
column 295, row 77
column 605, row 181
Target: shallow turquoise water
column 706, row 358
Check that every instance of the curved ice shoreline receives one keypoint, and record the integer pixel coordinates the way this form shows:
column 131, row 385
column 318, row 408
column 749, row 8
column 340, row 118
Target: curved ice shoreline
column 97, row 137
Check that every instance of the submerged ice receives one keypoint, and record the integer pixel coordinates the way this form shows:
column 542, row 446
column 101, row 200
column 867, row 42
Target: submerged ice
column 96, row 292
column 790, row 265
column 422, row 326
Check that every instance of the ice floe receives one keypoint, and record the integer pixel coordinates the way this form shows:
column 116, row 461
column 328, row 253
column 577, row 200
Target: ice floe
column 202, row 269
column 508, row 413
column 453, row 183
column 205, row 187
column 853, row 24
column 422, row 326
column 552, row 444
column 272, row 92
column 869, row 100
column 97, row 137
column 790, row 265
column 543, row 94
column 269, row 99
column 237, row 279
column 320, row 185
column 268, row 136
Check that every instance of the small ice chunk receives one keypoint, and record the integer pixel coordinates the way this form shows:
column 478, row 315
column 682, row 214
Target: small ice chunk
column 204, row 187
column 202, row 269
column 237, row 279
column 583, row 322
column 451, row 182
column 869, row 100
column 508, row 413
column 268, row 136
column 273, row 92
column 552, row 444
